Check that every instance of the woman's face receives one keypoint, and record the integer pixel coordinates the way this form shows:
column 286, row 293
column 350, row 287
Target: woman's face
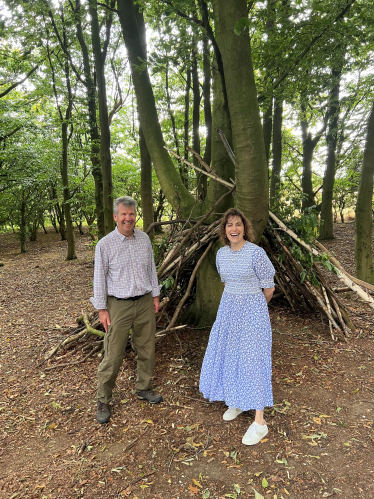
column 235, row 230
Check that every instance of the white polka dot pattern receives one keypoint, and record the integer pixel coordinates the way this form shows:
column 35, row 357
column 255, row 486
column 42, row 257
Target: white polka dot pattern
column 237, row 363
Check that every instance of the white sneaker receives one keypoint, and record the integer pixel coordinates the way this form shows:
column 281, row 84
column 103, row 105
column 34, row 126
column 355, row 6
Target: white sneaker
column 255, row 434
column 231, row 413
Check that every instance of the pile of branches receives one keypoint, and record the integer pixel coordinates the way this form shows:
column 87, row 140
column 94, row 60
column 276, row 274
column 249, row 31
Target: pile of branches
column 300, row 277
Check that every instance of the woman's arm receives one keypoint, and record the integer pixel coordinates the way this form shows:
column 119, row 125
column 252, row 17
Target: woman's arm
column 268, row 292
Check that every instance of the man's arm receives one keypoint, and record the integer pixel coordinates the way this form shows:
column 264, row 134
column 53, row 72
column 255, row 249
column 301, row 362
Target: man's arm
column 100, row 284
column 154, row 280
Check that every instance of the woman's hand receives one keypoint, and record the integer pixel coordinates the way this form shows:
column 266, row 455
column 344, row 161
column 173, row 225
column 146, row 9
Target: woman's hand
column 268, row 292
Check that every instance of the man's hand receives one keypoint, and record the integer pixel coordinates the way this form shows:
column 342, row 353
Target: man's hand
column 156, row 303
column 104, row 319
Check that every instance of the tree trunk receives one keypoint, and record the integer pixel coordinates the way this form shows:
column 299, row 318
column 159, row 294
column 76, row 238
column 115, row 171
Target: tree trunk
column 94, row 132
column 105, row 156
column 252, row 195
column 207, row 105
column 209, row 290
column 208, row 285
column 22, row 225
column 202, row 179
column 221, row 162
column 364, row 210
column 170, row 180
column 145, row 158
column 183, row 168
column 64, row 172
column 327, row 226
column 267, row 125
column 277, row 152
column 146, row 183
column 306, row 181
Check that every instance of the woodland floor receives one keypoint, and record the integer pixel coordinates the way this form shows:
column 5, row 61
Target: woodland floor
column 320, row 442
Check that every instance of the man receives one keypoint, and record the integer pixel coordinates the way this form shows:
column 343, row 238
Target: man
column 126, row 293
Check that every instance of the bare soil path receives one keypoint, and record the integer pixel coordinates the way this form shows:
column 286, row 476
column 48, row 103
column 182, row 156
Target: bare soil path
column 320, row 442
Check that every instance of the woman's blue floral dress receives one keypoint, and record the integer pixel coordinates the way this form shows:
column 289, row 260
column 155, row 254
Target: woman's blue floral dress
column 237, row 362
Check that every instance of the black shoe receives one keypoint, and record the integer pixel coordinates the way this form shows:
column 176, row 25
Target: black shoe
column 149, row 395
column 103, row 413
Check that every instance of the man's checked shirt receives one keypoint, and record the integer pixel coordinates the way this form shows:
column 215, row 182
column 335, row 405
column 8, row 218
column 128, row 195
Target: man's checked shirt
column 124, row 267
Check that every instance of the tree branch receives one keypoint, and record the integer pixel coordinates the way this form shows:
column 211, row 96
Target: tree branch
column 17, row 83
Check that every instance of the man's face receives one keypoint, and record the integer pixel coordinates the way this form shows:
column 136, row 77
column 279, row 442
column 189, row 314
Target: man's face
column 125, row 219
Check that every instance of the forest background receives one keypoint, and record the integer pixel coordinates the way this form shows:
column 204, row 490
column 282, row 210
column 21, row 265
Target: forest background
column 91, row 91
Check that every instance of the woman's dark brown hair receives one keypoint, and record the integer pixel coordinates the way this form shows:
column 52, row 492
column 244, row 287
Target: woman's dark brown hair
column 231, row 213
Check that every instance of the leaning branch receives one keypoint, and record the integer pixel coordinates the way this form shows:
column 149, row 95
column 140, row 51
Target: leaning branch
column 14, row 85
column 211, row 175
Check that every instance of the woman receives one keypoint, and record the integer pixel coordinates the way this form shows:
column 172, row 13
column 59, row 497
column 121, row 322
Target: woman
column 237, row 362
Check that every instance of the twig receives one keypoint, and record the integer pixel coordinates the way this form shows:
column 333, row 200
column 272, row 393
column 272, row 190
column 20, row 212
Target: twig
column 167, row 330
column 197, row 400
column 98, row 347
column 226, row 145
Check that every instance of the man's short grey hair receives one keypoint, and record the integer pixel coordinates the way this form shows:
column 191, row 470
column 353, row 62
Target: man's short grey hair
column 127, row 201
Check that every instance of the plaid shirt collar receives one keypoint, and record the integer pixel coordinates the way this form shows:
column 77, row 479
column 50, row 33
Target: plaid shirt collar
column 122, row 237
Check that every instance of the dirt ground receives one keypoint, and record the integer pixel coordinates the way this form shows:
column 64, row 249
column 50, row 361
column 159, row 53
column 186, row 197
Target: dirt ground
column 320, row 442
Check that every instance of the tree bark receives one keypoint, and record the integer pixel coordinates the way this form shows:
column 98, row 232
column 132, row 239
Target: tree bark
column 170, row 181
column 145, row 158
column 277, row 152
column 267, row 125
column 146, row 184
column 94, row 132
column 221, row 162
column 105, row 156
column 202, row 180
column 207, row 105
column 208, row 284
column 308, row 149
column 364, row 230
column 65, row 170
column 327, row 226
column 183, row 169
column 22, row 225
column 252, row 195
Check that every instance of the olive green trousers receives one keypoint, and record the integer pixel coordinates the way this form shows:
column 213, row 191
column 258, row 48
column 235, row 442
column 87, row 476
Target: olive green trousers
column 125, row 315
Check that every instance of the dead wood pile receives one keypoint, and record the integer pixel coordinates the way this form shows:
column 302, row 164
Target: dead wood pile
column 300, row 278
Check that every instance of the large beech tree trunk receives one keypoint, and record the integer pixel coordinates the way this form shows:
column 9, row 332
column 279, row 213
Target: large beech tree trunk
column 208, row 284
column 277, row 152
column 105, row 156
column 169, row 178
column 252, row 195
column 364, row 229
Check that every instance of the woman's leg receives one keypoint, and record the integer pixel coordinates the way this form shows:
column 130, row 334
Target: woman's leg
column 259, row 417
